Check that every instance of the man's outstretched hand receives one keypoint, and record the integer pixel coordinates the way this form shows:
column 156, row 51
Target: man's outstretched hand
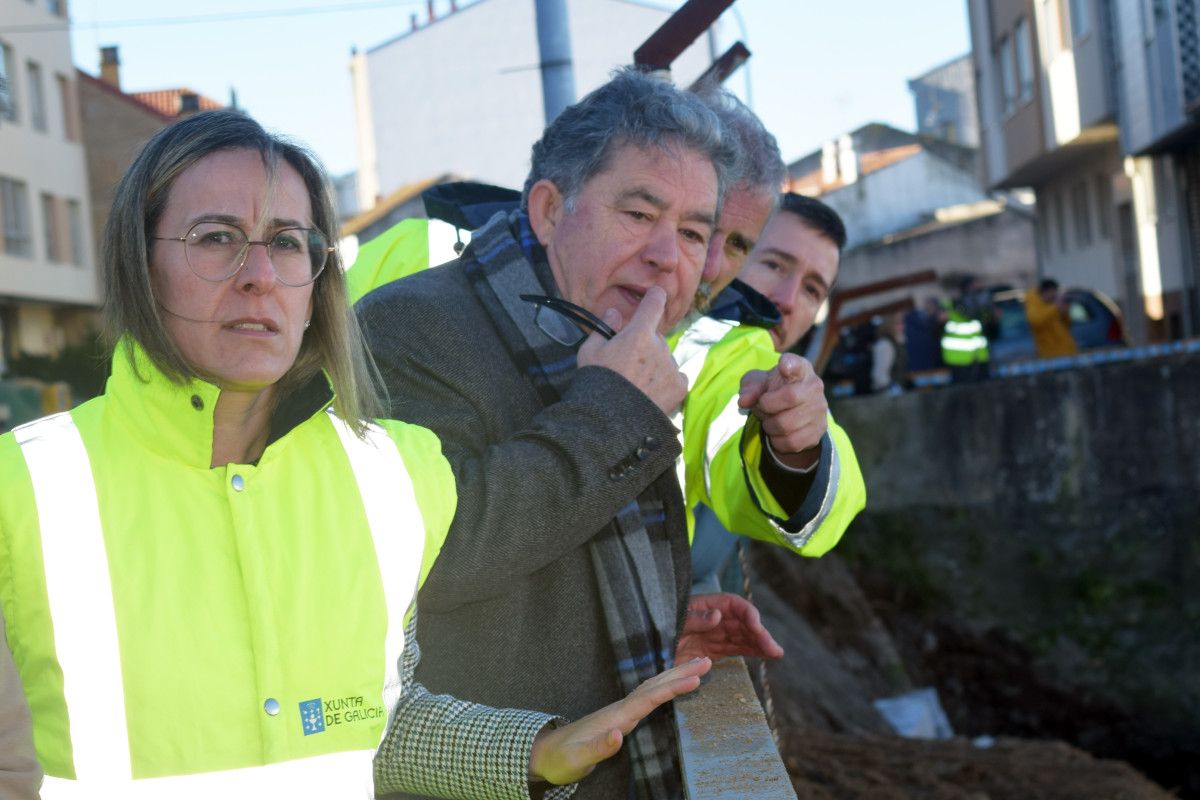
column 724, row 624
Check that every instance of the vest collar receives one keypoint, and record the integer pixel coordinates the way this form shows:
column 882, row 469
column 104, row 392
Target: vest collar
column 176, row 419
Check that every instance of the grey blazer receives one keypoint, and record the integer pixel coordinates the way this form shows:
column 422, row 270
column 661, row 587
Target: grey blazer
column 510, row 614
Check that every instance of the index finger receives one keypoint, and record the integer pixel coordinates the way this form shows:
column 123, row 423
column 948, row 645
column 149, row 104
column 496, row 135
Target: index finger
column 650, row 310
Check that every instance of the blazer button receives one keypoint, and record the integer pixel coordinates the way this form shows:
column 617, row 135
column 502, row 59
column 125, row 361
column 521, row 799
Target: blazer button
column 651, row 442
column 642, row 453
column 616, row 473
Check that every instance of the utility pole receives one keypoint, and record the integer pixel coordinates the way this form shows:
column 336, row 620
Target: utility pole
column 554, row 56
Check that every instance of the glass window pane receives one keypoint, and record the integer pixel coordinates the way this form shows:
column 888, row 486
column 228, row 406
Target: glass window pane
column 75, row 223
column 1008, row 81
column 8, row 90
column 14, row 209
column 37, row 97
column 1024, row 59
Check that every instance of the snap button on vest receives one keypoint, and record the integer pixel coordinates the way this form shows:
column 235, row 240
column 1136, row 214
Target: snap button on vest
column 238, row 483
column 271, row 706
column 197, row 403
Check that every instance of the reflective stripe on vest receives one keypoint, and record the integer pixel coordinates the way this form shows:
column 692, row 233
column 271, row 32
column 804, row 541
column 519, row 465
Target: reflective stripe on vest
column 691, row 352
column 79, row 589
column 800, row 538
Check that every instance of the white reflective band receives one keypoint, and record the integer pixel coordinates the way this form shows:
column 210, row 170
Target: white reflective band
column 337, row 775
column 80, row 595
column 965, row 345
column 690, row 353
column 396, row 528
column 800, row 538
column 728, row 425
column 968, row 328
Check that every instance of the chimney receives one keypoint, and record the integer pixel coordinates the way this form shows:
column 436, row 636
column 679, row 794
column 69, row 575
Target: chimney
column 432, row 15
column 453, row 6
column 110, row 66
column 414, row 20
column 829, row 164
column 847, row 159
column 189, row 103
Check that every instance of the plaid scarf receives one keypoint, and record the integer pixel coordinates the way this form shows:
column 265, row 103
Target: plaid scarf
column 634, row 569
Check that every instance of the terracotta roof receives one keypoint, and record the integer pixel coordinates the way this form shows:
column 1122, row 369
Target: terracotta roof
column 113, row 90
column 167, row 101
column 812, row 183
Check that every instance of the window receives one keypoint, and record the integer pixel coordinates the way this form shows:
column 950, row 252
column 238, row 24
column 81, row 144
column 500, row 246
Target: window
column 1008, row 80
column 1105, row 201
column 37, row 97
column 1079, row 18
column 8, row 90
column 1060, row 219
column 70, row 122
column 1024, row 60
column 57, row 7
column 1083, row 217
column 14, row 209
column 75, row 228
column 50, row 229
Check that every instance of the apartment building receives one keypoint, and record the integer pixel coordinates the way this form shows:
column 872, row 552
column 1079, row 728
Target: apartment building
column 420, row 96
column 1067, row 95
column 48, row 279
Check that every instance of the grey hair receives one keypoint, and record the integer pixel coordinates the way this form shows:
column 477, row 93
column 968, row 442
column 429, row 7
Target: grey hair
column 332, row 343
column 759, row 165
column 633, row 108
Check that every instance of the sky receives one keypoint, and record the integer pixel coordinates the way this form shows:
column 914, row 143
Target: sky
column 818, row 69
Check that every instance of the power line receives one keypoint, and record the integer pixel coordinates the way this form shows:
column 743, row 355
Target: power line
column 209, row 18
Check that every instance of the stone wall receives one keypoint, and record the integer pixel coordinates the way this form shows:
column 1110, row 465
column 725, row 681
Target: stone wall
column 1059, row 508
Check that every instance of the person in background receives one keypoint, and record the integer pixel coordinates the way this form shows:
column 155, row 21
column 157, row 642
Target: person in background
column 889, row 357
column 209, row 572
column 922, row 335
column 1049, row 320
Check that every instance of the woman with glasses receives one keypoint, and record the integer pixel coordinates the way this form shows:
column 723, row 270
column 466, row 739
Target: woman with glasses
column 207, row 574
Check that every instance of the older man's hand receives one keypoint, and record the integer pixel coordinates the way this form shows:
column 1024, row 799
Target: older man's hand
column 790, row 402
column 723, row 624
column 639, row 353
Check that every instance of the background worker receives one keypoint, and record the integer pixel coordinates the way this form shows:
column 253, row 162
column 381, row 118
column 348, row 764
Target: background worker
column 1049, row 320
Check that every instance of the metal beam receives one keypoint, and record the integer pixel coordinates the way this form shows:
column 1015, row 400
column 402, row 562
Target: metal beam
column 723, row 67
column 675, row 35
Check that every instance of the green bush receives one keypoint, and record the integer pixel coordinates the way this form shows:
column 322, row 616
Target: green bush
column 84, row 367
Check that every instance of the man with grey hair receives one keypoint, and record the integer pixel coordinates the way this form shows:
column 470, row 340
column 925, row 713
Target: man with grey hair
column 726, row 352
column 538, row 358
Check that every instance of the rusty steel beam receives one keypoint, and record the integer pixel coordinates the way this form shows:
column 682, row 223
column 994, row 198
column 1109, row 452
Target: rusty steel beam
column 675, row 35
column 723, row 67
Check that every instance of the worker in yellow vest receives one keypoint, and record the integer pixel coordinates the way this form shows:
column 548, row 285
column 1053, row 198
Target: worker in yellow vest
column 207, row 574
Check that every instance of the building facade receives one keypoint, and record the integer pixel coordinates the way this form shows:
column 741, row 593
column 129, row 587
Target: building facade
column 945, row 102
column 48, row 283
column 1086, row 102
column 478, row 113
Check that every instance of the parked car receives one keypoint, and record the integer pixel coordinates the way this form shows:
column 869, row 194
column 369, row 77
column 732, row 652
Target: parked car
column 1095, row 322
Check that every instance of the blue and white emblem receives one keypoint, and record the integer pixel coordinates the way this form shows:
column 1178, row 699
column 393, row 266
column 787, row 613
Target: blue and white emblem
column 311, row 717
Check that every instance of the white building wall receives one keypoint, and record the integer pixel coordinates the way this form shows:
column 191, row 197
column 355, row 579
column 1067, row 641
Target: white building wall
column 46, row 162
column 463, row 94
column 1095, row 265
column 901, row 196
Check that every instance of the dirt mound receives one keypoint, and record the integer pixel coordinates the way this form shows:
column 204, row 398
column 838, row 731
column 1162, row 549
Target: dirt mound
column 846, row 647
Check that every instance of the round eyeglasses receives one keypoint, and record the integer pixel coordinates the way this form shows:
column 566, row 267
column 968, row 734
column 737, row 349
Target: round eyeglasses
column 216, row 251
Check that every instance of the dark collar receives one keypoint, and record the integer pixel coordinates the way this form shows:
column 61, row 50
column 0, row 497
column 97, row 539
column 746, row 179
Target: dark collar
column 739, row 303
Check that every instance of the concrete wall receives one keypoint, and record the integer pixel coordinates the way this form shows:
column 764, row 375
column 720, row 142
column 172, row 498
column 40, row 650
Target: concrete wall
column 433, row 121
column 901, row 196
column 1060, row 508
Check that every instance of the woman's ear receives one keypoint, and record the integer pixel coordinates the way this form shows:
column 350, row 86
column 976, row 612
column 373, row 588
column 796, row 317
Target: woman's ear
column 545, row 209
